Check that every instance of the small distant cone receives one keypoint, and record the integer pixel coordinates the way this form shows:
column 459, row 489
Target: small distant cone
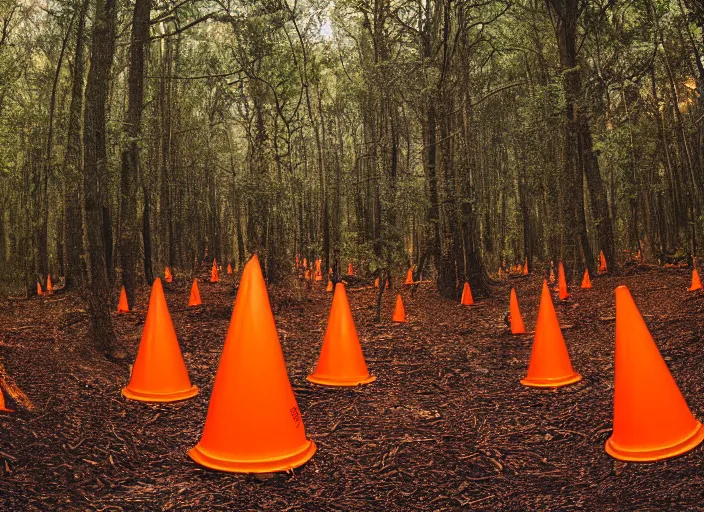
column 122, row 305
column 400, row 311
column 550, row 364
column 517, row 326
column 467, row 299
column 696, row 283
column 159, row 373
column 253, row 423
column 49, row 287
column 305, row 262
column 214, row 276
column 194, row 299
column 341, row 361
column 318, row 271
column 39, row 289
column 641, row 259
column 562, row 282
column 350, row 269
column 586, row 282
column 376, row 283
column 409, row 277
column 651, row 418
column 525, row 267
column 229, row 269
column 307, row 275
column 329, row 287
column 168, row 277
column 602, row 262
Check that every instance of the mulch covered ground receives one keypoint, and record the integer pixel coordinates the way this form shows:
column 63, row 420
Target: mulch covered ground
column 447, row 425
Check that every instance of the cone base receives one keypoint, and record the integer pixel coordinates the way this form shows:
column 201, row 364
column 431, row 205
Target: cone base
column 694, row 288
column 199, row 455
column 552, row 383
column 332, row 381
column 159, row 397
column 518, row 333
column 685, row 445
column 399, row 321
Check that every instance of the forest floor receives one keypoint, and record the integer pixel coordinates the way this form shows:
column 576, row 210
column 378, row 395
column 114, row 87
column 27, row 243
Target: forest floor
column 447, row 425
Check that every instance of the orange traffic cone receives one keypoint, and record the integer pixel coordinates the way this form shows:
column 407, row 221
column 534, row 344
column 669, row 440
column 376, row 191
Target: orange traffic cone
column 341, row 361
column 525, row 267
column 400, row 311
column 318, row 272
column 159, row 373
column 550, row 364
column 229, row 269
column 194, row 299
column 602, row 262
column 562, row 282
column 49, row 287
column 168, row 277
column 328, row 288
column 376, row 283
column 39, row 289
column 586, row 282
column 651, row 418
column 409, row 277
column 696, row 283
column 214, row 276
column 253, row 423
column 467, row 299
column 3, row 407
column 517, row 326
column 122, row 305
column 350, row 269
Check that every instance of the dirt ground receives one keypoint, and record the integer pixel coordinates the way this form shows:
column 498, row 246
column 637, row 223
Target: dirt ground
column 447, row 425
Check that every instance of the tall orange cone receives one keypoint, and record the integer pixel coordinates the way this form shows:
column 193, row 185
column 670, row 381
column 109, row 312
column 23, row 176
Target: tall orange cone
column 159, row 373
column 409, row 277
column 214, row 276
column 602, row 262
column 651, row 418
column 467, row 299
column 400, row 311
column 562, row 282
column 328, row 288
column 49, row 287
column 122, row 305
column 194, row 299
column 525, row 267
column 229, row 269
column 696, row 283
column 586, row 282
column 517, row 326
column 341, row 362
column 253, row 423
column 350, row 269
column 39, row 289
column 550, row 364
column 168, row 277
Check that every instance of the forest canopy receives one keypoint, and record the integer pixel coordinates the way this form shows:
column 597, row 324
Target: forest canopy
column 451, row 136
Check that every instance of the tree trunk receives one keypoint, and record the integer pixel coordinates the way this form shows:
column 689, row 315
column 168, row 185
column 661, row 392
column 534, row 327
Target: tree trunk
column 73, row 216
column 96, row 177
column 129, row 229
